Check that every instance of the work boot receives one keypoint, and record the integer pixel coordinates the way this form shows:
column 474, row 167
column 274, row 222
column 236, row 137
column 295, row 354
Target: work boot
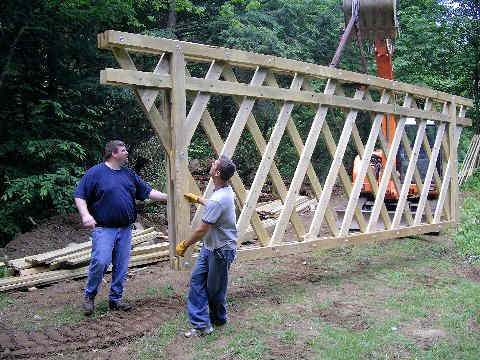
column 119, row 305
column 88, row 306
column 199, row 332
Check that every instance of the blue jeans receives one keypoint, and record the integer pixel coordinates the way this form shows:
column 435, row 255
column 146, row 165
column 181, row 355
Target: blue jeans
column 208, row 288
column 109, row 245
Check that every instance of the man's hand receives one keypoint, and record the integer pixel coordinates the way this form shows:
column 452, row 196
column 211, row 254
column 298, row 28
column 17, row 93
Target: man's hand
column 192, row 198
column 88, row 221
column 181, row 248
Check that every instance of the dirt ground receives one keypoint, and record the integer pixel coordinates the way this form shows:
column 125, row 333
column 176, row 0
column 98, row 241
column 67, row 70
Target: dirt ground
column 47, row 322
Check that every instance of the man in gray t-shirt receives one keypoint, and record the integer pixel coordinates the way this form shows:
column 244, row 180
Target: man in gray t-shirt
column 207, row 298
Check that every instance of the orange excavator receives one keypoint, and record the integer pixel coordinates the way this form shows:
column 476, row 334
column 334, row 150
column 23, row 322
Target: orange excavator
column 375, row 20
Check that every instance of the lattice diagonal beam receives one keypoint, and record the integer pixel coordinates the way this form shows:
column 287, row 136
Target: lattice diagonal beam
column 201, row 100
column 312, row 176
column 146, row 98
column 412, row 165
column 370, row 175
column 337, row 161
column 303, row 162
column 428, row 151
column 261, row 145
column 365, row 163
column 228, row 148
column 445, row 183
column 387, row 171
column 422, row 203
column 344, row 177
column 267, row 159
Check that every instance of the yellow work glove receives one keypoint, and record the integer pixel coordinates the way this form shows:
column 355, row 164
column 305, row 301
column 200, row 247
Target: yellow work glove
column 181, row 248
column 192, row 197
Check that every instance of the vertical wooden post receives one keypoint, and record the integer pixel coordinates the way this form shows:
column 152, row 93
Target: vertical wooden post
column 453, row 160
column 179, row 208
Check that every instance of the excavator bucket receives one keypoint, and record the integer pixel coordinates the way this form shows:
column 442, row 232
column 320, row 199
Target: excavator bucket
column 377, row 18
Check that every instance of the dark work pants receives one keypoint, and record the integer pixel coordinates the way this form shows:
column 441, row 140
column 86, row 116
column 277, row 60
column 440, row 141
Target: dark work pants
column 207, row 298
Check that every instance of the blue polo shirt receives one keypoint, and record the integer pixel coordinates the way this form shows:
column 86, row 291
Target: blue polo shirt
column 111, row 194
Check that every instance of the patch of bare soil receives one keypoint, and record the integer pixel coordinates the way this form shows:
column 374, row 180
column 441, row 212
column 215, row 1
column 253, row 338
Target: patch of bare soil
column 54, row 233
column 424, row 336
column 108, row 335
column 347, row 315
column 114, row 328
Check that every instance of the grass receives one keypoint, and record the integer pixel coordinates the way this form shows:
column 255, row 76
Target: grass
column 5, row 301
column 163, row 291
column 153, row 346
column 402, row 299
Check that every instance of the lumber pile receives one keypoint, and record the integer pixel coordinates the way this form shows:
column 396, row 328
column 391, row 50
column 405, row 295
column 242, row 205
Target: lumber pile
column 270, row 211
column 471, row 162
column 148, row 246
column 72, row 262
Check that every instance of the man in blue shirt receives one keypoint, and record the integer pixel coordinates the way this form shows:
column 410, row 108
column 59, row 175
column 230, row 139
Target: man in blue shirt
column 105, row 199
column 207, row 298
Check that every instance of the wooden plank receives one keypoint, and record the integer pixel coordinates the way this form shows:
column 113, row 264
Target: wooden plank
column 387, row 171
column 428, row 176
column 267, row 160
column 445, row 184
column 19, row 264
column 261, row 146
column 158, row 120
column 315, row 244
column 227, row 149
column 428, row 151
column 452, row 142
column 237, row 184
column 474, row 159
column 137, row 239
column 412, row 165
column 201, row 100
column 371, row 177
column 33, row 270
column 357, row 186
column 178, row 158
column 156, row 46
column 118, row 77
column 140, row 250
column 475, row 142
column 301, row 169
column 337, row 161
column 344, row 177
column 19, row 282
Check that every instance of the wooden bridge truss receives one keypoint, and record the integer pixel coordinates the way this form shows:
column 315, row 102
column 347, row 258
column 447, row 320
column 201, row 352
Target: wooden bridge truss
column 167, row 91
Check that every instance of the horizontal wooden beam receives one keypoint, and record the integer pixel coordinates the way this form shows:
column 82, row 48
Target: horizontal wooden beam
column 309, row 245
column 146, row 79
column 206, row 53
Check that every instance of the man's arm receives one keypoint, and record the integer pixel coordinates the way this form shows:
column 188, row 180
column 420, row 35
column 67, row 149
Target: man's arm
column 158, row 195
column 87, row 219
column 198, row 234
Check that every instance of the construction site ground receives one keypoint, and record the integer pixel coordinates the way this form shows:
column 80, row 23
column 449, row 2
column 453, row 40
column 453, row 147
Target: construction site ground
column 400, row 299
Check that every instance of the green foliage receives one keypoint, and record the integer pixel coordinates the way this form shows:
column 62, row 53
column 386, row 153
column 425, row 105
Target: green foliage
column 55, row 117
column 466, row 235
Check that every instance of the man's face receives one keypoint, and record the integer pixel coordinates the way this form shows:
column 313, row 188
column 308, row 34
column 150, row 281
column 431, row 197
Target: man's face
column 121, row 155
column 214, row 168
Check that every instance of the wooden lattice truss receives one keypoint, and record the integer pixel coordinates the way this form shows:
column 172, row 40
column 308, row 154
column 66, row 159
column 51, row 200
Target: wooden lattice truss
column 471, row 161
column 167, row 91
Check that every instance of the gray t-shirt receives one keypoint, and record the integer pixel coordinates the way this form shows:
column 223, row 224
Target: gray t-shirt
column 220, row 214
